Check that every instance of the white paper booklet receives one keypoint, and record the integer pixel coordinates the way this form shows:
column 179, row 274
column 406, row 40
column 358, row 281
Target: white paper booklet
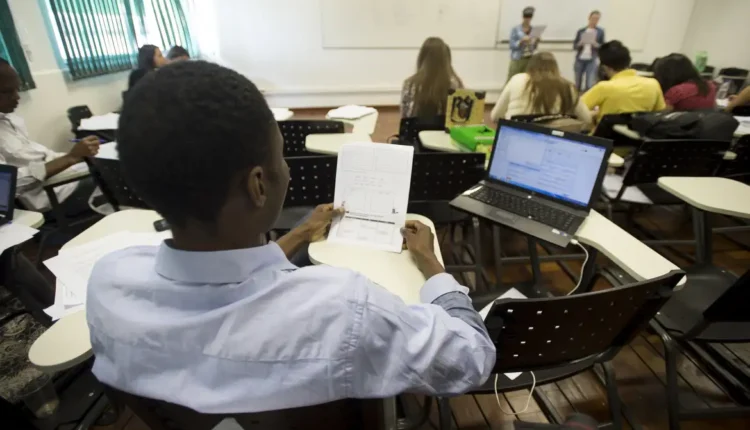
column 372, row 185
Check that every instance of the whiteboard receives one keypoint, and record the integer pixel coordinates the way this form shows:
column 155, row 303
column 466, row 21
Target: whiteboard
column 407, row 23
column 562, row 18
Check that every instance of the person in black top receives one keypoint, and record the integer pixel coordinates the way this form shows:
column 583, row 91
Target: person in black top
column 149, row 59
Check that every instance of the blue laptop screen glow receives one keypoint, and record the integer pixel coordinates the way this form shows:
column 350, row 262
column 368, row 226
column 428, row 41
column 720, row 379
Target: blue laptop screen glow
column 5, row 197
column 549, row 165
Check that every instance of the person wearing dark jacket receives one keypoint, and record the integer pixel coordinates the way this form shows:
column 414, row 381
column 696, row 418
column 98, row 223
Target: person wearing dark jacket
column 587, row 53
column 149, row 59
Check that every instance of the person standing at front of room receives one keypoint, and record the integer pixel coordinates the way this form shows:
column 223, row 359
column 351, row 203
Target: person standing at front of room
column 522, row 45
column 588, row 53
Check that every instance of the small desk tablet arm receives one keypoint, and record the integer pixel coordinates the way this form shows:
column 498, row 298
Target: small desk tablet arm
column 295, row 133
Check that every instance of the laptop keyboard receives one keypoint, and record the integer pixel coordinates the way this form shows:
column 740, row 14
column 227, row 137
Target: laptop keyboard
column 525, row 207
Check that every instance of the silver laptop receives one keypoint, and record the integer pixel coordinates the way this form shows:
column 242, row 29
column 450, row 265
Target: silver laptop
column 540, row 181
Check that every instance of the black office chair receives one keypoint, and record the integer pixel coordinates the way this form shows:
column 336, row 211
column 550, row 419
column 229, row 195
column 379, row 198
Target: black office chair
column 734, row 72
column 605, row 128
column 295, row 133
column 76, row 114
column 409, row 128
column 108, row 177
column 739, row 168
column 657, row 158
column 741, row 110
column 313, row 180
column 711, row 310
column 560, row 337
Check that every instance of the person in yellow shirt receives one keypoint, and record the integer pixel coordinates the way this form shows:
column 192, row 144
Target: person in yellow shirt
column 625, row 91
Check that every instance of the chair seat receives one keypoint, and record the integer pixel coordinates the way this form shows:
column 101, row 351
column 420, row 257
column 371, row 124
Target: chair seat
column 524, row 381
column 685, row 309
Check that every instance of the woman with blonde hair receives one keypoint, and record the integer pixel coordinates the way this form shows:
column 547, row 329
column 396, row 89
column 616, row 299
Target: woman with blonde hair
column 540, row 91
column 425, row 93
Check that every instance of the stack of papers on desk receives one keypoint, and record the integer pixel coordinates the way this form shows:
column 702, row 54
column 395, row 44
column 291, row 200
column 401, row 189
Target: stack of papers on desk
column 73, row 267
column 12, row 234
column 281, row 114
column 372, row 185
column 350, row 112
column 100, row 122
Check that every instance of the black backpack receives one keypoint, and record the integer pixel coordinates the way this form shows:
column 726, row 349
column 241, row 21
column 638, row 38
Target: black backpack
column 709, row 125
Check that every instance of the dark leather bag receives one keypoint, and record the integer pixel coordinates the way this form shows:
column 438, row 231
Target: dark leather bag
column 685, row 125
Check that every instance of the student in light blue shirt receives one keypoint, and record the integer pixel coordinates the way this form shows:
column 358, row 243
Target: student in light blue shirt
column 219, row 322
column 587, row 54
column 522, row 45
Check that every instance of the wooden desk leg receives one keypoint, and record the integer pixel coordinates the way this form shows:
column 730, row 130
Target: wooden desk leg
column 703, row 238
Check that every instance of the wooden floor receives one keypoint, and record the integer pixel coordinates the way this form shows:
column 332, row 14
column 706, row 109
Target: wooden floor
column 639, row 367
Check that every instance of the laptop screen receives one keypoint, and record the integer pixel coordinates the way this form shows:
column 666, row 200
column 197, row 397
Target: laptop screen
column 6, row 180
column 554, row 166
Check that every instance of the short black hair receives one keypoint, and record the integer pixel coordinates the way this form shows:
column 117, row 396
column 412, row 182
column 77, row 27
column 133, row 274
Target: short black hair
column 614, row 55
column 186, row 132
column 146, row 57
column 675, row 69
column 177, row 51
column 594, row 12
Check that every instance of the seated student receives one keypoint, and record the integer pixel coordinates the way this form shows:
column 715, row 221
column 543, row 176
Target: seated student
column 178, row 53
column 741, row 99
column 540, row 91
column 425, row 93
column 683, row 87
column 36, row 162
column 625, row 91
column 218, row 321
column 149, row 59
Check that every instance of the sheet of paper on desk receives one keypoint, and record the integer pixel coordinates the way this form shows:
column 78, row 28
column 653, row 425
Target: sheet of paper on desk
column 537, row 31
column 100, row 122
column 108, row 151
column 12, row 234
column 510, row 294
column 72, row 267
column 372, row 185
column 351, row 112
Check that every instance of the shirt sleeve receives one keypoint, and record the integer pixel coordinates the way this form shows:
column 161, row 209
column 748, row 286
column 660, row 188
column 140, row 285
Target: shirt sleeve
column 29, row 176
column 501, row 106
column 583, row 113
column 440, row 347
column 593, row 97
column 515, row 39
column 578, row 37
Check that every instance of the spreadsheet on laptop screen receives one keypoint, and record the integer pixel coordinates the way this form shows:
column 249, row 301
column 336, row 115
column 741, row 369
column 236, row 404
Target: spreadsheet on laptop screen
column 548, row 165
column 5, row 197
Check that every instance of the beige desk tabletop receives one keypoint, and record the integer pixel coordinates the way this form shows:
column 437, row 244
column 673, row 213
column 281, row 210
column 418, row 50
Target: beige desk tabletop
column 28, row 218
column 363, row 125
column 396, row 273
column 718, row 195
column 331, row 143
column 441, row 141
column 627, row 252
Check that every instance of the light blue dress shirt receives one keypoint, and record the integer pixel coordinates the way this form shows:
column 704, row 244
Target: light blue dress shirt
column 518, row 51
column 246, row 331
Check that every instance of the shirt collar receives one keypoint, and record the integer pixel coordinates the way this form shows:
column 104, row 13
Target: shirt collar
column 624, row 74
column 218, row 267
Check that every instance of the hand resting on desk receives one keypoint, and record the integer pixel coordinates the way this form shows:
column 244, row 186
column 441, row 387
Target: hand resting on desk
column 419, row 240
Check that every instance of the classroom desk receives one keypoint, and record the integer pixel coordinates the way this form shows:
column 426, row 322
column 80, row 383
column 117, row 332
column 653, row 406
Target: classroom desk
column 331, row 143
column 718, row 195
column 28, row 218
column 438, row 140
column 396, row 273
column 66, row 343
column 363, row 125
column 623, row 129
column 77, row 171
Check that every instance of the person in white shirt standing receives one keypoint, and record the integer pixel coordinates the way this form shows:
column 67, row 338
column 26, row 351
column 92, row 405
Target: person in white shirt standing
column 36, row 162
column 587, row 43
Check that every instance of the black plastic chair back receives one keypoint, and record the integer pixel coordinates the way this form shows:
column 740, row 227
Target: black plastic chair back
column 605, row 127
column 295, row 133
column 733, row 305
column 441, row 176
column 734, row 72
column 641, row 67
column 313, row 180
column 535, row 334
column 657, row 158
column 739, row 168
column 161, row 415
column 409, row 128
column 108, row 177
column 78, row 113
column 709, row 70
